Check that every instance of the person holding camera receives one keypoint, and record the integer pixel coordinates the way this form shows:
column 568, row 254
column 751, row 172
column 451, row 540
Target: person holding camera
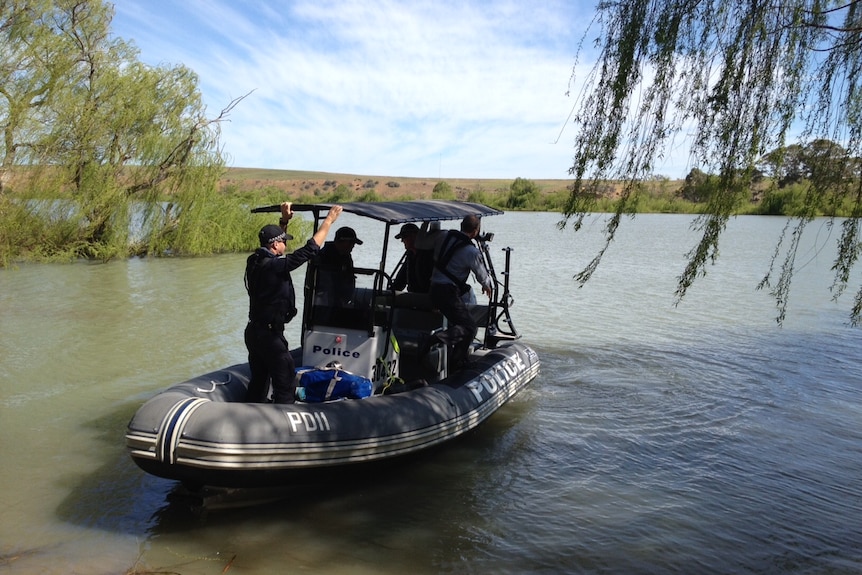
column 455, row 258
column 418, row 264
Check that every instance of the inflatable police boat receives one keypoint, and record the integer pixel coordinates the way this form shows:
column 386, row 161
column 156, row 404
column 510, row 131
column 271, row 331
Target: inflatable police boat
column 375, row 383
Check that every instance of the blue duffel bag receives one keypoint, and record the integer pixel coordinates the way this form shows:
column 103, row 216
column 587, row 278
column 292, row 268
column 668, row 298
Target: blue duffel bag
column 316, row 384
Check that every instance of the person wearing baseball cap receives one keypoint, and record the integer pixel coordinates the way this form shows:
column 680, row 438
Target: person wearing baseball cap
column 407, row 230
column 347, row 236
column 414, row 273
column 335, row 277
column 271, row 234
column 272, row 303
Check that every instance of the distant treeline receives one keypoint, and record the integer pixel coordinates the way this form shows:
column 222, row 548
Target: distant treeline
column 779, row 186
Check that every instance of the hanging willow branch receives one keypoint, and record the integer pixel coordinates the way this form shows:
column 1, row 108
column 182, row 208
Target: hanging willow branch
column 733, row 78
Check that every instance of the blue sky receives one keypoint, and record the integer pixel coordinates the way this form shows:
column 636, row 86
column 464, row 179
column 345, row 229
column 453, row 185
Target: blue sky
column 433, row 89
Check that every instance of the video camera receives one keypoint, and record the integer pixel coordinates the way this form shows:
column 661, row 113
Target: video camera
column 486, row 237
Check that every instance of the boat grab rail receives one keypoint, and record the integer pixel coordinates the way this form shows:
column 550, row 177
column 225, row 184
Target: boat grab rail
column 215, row 384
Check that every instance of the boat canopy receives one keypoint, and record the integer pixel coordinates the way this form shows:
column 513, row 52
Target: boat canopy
column 400, row 212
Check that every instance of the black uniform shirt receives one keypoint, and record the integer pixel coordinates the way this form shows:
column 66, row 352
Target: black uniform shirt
column 272, row 299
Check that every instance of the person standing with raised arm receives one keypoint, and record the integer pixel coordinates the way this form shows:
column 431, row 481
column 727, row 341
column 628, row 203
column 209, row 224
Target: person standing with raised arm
column 272, row 304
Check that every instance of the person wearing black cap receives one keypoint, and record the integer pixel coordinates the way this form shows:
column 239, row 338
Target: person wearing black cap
column 272, row 303
column 415, row 273
column 335, row 278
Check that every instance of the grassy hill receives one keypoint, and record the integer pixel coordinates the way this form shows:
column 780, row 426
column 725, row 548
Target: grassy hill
column 656, row 196
column 297, row 182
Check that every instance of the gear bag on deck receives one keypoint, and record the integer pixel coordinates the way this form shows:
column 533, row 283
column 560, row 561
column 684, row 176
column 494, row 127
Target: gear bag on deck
column 317, row 384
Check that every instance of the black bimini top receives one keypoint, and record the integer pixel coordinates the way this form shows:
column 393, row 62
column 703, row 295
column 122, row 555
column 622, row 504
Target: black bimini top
column 400, row 212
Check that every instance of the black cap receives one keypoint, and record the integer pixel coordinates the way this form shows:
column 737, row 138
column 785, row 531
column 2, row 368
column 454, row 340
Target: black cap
column 272, row 233
column 348, row 235
column 407, row 229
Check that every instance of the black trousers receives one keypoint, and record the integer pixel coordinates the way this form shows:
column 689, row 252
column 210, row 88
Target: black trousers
column 270, row 361
column 462, row 327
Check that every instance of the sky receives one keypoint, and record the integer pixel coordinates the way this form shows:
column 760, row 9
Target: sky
column 429, row 89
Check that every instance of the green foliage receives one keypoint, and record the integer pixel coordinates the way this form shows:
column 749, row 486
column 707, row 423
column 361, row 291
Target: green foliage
column 523, row 195
column 787, row 200
column 369, row 196
column 442, row 191
column 403, row 198
column 340, row 194
column 478, row 197
column 820, row 160
column 29, row 229
column 85, row 123
column 662, row 204
column 698, row 187
column 555, row 201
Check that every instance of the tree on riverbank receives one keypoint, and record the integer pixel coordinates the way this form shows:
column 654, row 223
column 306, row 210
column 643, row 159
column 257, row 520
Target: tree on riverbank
column 737, row 80
column 84, row 122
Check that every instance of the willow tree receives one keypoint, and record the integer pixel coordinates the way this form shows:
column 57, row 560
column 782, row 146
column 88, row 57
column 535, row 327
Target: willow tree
column 737, row 80
column 86, row 122
column 33, row 62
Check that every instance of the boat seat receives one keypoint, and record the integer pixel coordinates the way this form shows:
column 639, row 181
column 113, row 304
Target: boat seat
column 410, row 325
column 413, row 312
column 412, row 328
column 357, row 314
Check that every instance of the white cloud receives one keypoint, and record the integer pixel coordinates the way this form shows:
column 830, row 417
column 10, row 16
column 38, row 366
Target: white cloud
column 424, row 89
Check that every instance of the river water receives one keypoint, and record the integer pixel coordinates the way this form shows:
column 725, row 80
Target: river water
column 701, row 438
